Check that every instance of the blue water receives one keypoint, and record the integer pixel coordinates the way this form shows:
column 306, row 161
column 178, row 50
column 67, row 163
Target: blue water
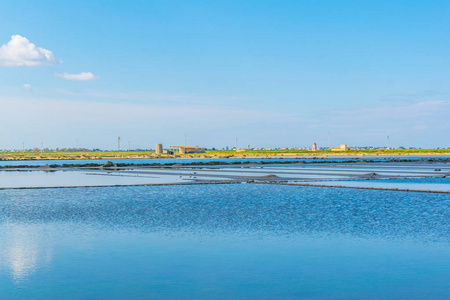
column 433, row 180
column 208, row 160
column 234, row 241
column 424, row 184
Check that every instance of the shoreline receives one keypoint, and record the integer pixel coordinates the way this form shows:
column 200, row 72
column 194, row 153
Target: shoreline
column 293, row 172
column 212, row 162
column 229, row 182
column 212, row 154
column 212, row 157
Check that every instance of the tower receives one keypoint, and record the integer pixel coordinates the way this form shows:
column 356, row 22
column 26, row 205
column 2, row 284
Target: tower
column 159, row 149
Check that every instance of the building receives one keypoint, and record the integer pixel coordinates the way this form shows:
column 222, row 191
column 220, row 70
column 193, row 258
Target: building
column 342, row 147
column 187, row 149
column 159, row 149
column 314, row 147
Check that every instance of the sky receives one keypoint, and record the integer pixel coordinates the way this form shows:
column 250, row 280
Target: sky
column 267, row 73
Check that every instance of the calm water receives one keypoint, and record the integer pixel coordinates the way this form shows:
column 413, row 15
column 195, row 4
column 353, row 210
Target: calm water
column 237, row 241
column 424, row 184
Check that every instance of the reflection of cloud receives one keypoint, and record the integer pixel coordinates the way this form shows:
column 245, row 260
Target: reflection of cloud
column 24, row 250
column 22, row 261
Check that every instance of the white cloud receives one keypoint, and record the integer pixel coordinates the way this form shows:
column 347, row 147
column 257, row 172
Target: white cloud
column 19, row 51
column 27, row 87
column 83, row 76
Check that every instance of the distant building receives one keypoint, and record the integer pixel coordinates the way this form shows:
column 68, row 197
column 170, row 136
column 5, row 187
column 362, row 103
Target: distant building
column 188, row 149
column 314, row 147
column 342, row 147
column 159, row 149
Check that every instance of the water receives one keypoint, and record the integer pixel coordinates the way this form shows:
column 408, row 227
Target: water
column 230, row 241
column 44, row 179
column 224, row 160
column 424, row 184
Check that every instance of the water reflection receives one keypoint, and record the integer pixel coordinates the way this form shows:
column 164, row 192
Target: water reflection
column 237, row 208
column 223, row 241
column 34, row 178
column 25, row 248
column 423, row 184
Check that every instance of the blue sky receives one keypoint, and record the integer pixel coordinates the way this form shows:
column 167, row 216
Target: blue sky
column 271, row 73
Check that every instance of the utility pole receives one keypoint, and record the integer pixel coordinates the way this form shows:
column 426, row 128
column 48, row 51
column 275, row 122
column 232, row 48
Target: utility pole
column 23, row 148
column 329, row 147
column 41, row 147
column 185, row 139
column 118, row 143
column 236, row 144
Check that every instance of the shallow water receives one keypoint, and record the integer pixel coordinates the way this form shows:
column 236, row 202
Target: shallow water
column 38, row 179
column 327, row 174
column 223, row 242
column 425, row 184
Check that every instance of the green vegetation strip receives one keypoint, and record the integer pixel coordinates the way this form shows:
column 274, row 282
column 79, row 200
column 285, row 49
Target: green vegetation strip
column 36, row 155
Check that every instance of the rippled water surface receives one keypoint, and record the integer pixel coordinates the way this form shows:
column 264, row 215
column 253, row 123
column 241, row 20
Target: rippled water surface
column 224, row 241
